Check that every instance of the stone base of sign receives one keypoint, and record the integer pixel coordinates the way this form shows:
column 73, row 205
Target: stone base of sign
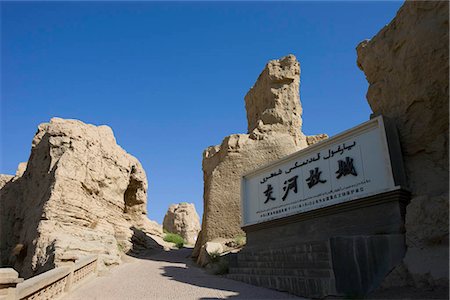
column 345, row 249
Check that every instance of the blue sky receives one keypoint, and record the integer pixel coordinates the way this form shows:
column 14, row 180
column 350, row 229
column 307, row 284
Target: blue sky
column 170, row 78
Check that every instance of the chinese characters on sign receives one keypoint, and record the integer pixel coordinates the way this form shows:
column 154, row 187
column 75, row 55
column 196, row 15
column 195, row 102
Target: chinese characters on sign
column 269, row 193
column 347, row 167
column 314, row 178
column 290, row 184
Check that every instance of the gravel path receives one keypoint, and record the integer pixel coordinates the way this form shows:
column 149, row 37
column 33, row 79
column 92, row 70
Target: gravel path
column 168, row 275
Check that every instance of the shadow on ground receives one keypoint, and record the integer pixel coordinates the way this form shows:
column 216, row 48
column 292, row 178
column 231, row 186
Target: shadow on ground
column 242, row 290
column 188, row 272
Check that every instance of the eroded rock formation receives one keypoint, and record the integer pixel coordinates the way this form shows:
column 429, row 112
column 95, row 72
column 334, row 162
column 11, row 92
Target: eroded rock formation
column 407, row 67
column 273, row 103
column 183, row 219
column 274, row 130
column 4, row 179
column 80, row 193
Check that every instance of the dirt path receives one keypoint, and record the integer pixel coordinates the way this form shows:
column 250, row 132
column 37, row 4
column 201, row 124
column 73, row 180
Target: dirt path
column 168, row 275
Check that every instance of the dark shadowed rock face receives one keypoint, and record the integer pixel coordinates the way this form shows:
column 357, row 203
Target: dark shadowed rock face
column 406, row 65
column 274, row 131
column 80, row 194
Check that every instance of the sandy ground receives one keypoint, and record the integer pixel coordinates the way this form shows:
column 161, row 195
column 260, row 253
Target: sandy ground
column 168, row 275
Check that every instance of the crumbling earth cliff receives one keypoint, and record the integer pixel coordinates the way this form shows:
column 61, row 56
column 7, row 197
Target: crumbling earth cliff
column 80, row 194
column 274, row 131
column 407, row 67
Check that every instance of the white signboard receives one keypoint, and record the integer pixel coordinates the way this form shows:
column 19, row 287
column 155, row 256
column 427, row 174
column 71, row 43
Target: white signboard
column 351, row 165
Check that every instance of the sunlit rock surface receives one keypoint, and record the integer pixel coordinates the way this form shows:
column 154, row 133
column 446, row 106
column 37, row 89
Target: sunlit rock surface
column 274, row 130
column 80, row 194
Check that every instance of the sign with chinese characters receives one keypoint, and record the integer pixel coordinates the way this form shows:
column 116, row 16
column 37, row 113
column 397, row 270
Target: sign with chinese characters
column 349, row 166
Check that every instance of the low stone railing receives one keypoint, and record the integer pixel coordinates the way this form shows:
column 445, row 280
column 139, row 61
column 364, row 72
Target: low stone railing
column 49, row 285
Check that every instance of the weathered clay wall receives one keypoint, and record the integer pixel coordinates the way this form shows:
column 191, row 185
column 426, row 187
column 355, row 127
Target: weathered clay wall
column 406, row 65
column 80, row 194
column 274, row 131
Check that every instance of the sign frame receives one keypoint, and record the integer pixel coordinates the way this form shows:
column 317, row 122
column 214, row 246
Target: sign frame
column 391, row 154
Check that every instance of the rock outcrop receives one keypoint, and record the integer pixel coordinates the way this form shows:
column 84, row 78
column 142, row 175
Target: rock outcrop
column 4, row 179
column 80, row 193
column 219, row 247
column 183, row 219
column 273, row 103
column 21, row 169
column 274, row 131
column 407, row 67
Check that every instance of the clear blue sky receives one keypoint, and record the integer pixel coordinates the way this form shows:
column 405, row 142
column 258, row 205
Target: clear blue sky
column 170, row 78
